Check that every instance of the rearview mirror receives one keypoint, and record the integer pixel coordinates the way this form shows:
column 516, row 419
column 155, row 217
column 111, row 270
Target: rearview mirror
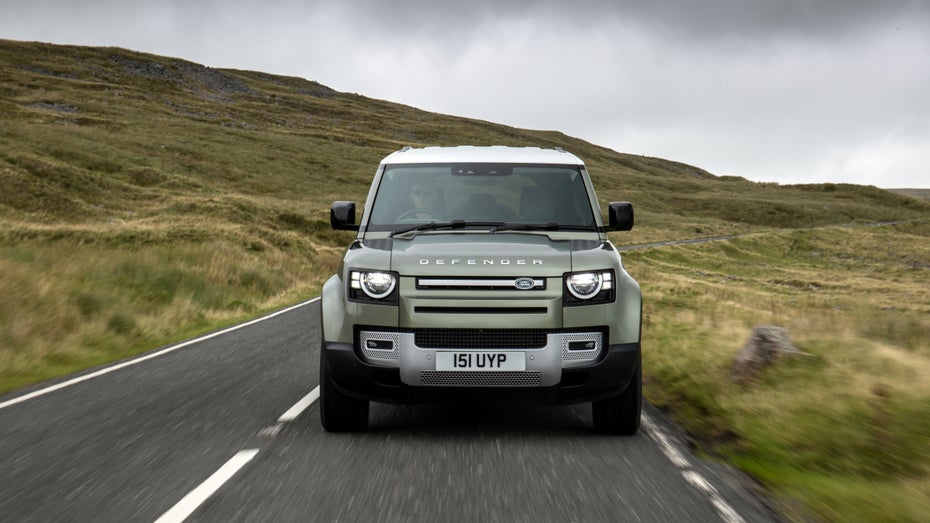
column 342, row 216
column 620, row 216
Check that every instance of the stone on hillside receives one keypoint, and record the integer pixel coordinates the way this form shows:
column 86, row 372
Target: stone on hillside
column 765, row 346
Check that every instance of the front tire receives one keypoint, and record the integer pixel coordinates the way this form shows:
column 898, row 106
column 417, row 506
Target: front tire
column 338, row 412
column 621, row 414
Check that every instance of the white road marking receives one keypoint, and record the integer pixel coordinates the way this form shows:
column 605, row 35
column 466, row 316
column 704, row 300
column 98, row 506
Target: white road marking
column 667, row 448
column 291, row 414
column 196, row 497
column 101, row 372
column 300, row 406
column 726, row 512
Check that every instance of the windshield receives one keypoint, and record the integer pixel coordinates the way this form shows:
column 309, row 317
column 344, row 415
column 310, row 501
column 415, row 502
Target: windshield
column 512, row 194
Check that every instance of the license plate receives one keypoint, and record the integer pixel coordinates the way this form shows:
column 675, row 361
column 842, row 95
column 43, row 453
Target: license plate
column 481, row 361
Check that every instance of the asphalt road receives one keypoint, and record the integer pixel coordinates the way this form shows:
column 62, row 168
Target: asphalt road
column 196, row 434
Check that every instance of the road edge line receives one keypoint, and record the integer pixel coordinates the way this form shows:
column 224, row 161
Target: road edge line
column 146, row 357
column 726, row 512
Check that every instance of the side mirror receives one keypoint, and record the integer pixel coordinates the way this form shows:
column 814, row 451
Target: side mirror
column 342, row 216
column 620, row 216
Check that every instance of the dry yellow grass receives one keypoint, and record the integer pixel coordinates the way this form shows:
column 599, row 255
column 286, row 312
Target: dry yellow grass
column 86, row 294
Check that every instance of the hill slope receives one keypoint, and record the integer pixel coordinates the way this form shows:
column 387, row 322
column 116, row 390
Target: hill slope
column 86, row 125
column 923, row 194
column 145, row 196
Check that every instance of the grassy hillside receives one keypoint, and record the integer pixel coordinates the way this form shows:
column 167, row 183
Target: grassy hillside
column 147, row 198
column 845, row 429
column 923, row 194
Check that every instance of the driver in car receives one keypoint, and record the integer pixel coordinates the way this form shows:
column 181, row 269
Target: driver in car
column 427, row 200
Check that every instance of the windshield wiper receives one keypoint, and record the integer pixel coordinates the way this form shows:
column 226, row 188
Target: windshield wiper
column 454, row 224
column 551, row 226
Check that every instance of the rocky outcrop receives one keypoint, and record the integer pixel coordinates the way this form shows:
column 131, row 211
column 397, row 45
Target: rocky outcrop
column 767, row 345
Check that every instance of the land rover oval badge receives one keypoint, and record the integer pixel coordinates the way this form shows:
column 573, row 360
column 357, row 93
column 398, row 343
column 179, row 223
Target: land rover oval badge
column 524, row 283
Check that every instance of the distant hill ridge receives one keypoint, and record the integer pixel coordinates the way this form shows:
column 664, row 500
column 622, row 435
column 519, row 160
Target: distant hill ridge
column 923, row 194
column 84, row 125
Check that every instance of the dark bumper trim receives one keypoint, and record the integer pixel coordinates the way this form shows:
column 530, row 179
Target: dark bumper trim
column 608, row 377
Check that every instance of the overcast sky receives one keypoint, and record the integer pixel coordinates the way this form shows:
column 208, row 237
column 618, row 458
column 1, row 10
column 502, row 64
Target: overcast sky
column 791, row 91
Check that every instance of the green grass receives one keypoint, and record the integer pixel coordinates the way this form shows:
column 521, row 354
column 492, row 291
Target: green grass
column 146, row 199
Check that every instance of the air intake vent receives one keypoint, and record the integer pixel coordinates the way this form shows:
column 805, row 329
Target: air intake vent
column 435, row 378
column 481, row 338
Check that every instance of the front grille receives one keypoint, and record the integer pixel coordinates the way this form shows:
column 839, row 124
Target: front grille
column 480, row 338
column 480, row 310
column 480, row 284
column 435, row 378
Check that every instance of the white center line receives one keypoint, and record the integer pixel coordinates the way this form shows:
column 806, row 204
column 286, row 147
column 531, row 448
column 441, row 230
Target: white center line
column 300, row 406
column 196, row 497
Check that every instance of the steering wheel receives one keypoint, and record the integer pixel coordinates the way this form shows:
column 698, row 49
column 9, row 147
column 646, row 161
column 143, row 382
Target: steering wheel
column 412, row 213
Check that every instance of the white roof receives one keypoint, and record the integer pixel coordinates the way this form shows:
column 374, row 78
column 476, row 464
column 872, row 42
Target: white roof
column 475, row 154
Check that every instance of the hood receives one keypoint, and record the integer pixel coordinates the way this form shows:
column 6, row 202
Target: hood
column 481, row 254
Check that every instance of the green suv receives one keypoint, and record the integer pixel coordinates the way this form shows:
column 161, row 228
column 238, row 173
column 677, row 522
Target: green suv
column 481, row 273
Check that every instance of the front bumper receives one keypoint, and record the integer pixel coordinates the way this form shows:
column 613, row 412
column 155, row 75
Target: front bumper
column 357, row 374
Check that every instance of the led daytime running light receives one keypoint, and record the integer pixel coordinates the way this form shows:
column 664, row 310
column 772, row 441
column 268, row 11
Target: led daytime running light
column 375, row 285
column 587, row 285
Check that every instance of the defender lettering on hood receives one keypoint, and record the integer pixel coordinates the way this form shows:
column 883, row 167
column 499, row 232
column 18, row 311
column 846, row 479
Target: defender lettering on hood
column 485, row 261
column 481, row 271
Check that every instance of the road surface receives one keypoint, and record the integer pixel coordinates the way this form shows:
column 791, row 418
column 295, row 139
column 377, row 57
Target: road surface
column 226, row 428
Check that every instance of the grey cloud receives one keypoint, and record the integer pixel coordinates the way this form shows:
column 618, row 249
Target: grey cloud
column 706, row 19
column 789, row 90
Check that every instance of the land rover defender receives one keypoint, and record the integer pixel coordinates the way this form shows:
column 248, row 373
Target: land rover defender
column 481, row 273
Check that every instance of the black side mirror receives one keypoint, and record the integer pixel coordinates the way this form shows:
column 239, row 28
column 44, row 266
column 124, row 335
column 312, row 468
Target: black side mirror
column 620, row 216
column 342, row 216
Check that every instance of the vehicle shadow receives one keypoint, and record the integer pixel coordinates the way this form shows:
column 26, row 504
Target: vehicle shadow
column 471, row 419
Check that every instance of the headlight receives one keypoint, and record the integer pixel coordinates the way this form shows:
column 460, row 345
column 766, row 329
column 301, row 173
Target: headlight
column 375, row 284
column 590, row 286
column 584, row 285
